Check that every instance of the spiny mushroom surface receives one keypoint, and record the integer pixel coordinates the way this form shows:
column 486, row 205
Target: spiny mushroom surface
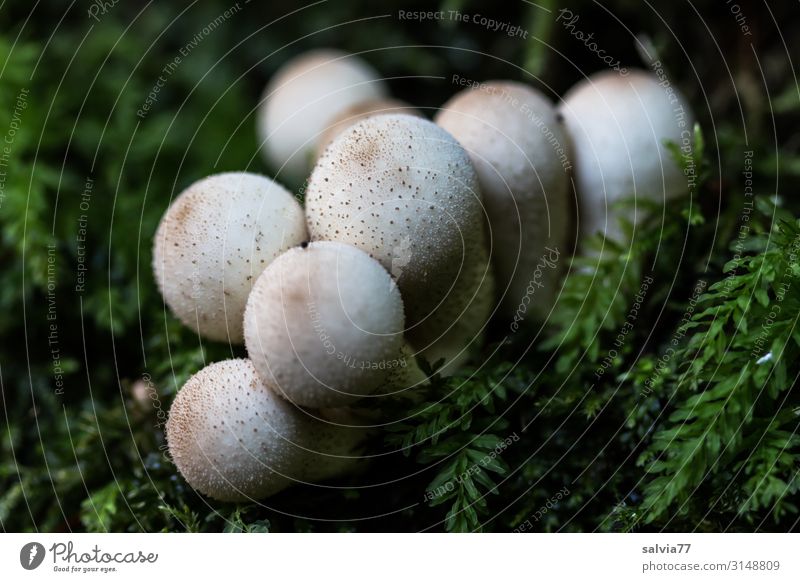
column 359, row 111
column 519, row 150
column 617, row 127
column 301, row 101
column 404, row 191
column 324, row 325
column 214, row 241
column 234, row 439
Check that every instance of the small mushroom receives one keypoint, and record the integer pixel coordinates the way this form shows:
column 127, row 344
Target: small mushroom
column 324, row 325
column 214, row 241
column 301, row 101
column 519, row 150
column 234, row 439
column 617, row 125
column 359, row 111
column 403, row 190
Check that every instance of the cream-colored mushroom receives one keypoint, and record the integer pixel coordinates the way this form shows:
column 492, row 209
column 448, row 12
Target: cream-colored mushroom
column 324, row 325
column 214, row 241
column 617, row 125
column 403, row 190
column 519, row 150
column 301, row 101
column 234, row 439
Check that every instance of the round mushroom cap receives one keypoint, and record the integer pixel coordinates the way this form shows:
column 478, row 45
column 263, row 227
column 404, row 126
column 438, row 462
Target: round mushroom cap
column 360, row 111
column 214, row 241
column 617, row 127
column 301, row 101
column 324, row 325
column 404, row 191
column 519, row 149
column 234, row 439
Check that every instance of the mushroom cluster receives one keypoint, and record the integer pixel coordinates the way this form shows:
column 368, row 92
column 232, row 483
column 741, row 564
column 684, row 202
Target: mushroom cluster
column 412, row 235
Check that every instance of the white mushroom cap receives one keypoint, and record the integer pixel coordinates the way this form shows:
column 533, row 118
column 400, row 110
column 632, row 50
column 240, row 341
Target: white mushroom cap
column 519, row 150
column 303, row 98
column 234, row 439
column 324, row 325
column 404, row 191
column 617, row 126
column 359, row 111
column 212, row 243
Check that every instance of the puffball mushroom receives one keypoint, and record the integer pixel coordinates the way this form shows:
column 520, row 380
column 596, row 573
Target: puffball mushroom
column 324, row 325
column 404, row 191
column 303, row 98
column 618, row 125
column 519, row 150
column 212, row 243
column 234, row 439
column 360, row 111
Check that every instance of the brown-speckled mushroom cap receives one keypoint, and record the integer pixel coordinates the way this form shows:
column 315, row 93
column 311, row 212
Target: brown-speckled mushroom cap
column 301, row 101
column 234, row 439
column 617, row 126
column 214, row 241
column 324, row 325
column 519, row 149
column 404, row 191
column 359, row 111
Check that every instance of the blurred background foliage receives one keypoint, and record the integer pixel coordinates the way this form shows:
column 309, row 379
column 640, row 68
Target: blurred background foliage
column 712, row 447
